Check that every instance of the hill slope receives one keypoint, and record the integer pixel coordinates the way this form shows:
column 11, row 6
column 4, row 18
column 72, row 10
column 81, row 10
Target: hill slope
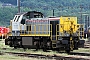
column 61, row 7
column 49, row 3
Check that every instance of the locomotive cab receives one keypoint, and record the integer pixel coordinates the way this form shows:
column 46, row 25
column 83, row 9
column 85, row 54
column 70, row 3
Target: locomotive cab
column 18, row 23
column 21, row 17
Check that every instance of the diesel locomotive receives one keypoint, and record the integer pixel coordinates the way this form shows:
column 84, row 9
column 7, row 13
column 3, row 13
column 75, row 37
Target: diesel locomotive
column 33, row 30
column 3, row 32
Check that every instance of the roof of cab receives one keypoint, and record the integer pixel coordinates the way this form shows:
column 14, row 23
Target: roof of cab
column 29, row 12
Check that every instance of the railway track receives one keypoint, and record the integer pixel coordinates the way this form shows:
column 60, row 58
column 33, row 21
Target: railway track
column 79, row 53
column 56, row 57
column 87, row 44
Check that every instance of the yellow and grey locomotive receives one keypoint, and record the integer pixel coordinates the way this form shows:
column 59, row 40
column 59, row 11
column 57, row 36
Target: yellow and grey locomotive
column 32, row 30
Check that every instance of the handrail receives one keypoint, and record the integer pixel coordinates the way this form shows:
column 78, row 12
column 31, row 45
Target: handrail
column 38, row 29
column 80, row 29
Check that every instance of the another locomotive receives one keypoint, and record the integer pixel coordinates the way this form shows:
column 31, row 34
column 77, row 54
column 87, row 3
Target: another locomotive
column 32, row 30
column 3, row 32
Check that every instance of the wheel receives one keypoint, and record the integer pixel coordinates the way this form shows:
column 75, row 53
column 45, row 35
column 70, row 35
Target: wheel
column 44, row 49
column 15, row 47
column 44, row 45
column 37, row 46
column 67, row 51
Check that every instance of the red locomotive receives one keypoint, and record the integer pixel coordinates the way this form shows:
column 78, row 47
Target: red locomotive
column 3, row 32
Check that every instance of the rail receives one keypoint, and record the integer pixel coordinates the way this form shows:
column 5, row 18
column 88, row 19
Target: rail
column 56, row 57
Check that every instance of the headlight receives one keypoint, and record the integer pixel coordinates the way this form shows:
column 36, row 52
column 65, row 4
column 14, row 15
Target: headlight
column 66, row 34
column 9, row 37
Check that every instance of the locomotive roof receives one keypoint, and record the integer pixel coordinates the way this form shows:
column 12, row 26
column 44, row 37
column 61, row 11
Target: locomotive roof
column 29, row 12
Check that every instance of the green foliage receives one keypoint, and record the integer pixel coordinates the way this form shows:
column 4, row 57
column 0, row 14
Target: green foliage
column 6, row 14
column 61, row 7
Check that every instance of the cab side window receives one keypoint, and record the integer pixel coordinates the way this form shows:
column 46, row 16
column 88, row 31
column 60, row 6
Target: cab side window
column 23, row 20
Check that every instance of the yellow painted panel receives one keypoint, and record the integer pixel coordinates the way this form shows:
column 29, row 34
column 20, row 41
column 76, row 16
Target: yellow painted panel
column 63, row 19
column 67, row 22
